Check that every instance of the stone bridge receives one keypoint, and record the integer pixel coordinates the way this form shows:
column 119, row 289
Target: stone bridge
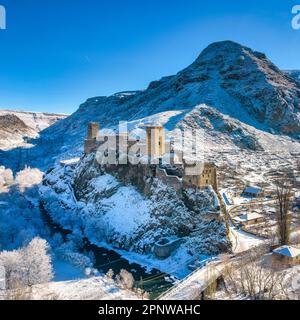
column 194, row 285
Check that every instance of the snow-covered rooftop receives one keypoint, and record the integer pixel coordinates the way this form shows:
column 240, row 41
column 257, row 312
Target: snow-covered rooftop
column 253, row 190
column 249, row 217
column 287, row 251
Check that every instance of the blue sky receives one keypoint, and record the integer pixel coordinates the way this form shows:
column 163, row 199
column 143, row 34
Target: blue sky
column 57, row 53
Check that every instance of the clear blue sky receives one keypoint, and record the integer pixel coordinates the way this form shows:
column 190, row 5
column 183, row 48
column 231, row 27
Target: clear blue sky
column 57, row 53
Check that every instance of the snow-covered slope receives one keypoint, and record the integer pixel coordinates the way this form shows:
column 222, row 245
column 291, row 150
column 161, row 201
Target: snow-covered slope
column 13, row 130
column 96, row 288
column 230, row 78
column 97, row 205
column 37, row 121
column 16, row 125
column 295, row 74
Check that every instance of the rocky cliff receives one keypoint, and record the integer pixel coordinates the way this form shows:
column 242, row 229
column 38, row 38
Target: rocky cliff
column 97, row 205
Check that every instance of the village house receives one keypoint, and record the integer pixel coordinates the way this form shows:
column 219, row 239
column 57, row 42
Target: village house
column 286, row 255
column 252, row 192
column 249, row 218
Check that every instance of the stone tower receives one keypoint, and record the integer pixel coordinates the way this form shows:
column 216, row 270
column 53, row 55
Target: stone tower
column 200, row 175
column 93, row 131
column 156, row 145
column 90, row 143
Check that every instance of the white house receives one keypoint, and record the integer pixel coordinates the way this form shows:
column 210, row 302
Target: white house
column 249, row 218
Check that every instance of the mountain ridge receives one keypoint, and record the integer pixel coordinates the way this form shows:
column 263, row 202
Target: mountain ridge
column 233, row 79
column 273, row 100
column 18, row 126
column 235, row 94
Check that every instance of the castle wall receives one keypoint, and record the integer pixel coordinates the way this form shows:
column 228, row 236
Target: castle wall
column 172, row 181
column 199, row 175
column 90, row 145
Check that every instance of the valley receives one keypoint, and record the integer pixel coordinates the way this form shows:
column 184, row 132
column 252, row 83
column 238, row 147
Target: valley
column 245, row 113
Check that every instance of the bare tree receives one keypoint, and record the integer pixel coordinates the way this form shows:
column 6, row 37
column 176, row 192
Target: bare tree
column 210, row 291
column 283, row 217
column 253, row 279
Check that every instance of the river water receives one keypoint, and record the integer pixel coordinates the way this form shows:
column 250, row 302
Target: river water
column 153, row 282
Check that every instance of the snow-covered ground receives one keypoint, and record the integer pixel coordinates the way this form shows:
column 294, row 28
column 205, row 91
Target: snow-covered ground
column 95, row 288
column 243, row 241
column 38, row 121
column 65, row 271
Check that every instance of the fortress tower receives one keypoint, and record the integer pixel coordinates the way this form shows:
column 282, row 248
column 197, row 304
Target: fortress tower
column 93, row 131
column 200, row 175
column 156, row 145
column 90, row 143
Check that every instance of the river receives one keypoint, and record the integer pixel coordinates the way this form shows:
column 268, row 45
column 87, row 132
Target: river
column 154, row 282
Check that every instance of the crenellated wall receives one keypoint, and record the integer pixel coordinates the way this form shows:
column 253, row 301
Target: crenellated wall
column 198, row 175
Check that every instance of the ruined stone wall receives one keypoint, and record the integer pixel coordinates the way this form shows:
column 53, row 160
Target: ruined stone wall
column 136, row 175
column 171, row 181
column 90, row 145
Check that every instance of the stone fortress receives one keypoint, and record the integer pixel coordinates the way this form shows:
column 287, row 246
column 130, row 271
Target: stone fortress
column 182, row 175
column 161, row 163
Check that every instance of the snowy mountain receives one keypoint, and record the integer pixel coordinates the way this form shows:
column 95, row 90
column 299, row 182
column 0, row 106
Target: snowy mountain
column 17, row 125
column 248, row 110
column 227, row 77
column 12, row 131
column 295, row 74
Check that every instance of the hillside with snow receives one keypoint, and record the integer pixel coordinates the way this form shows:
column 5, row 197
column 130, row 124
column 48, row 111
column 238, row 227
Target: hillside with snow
column 248, row 113
column 229, row 78
column 16, row 127
column 95, row 204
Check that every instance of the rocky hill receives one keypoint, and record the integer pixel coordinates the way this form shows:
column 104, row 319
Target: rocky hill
column 97, row 205
column 295, row 74
column 17, row 125
column 229, row 78
column 13, row 130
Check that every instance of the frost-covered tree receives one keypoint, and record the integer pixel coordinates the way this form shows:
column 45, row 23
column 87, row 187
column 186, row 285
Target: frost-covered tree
column 125, row 279
column 6, row 177
column 12, row 263
column 37, row 265
column 27, row 266
column 28, row 177
column 110, row 273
